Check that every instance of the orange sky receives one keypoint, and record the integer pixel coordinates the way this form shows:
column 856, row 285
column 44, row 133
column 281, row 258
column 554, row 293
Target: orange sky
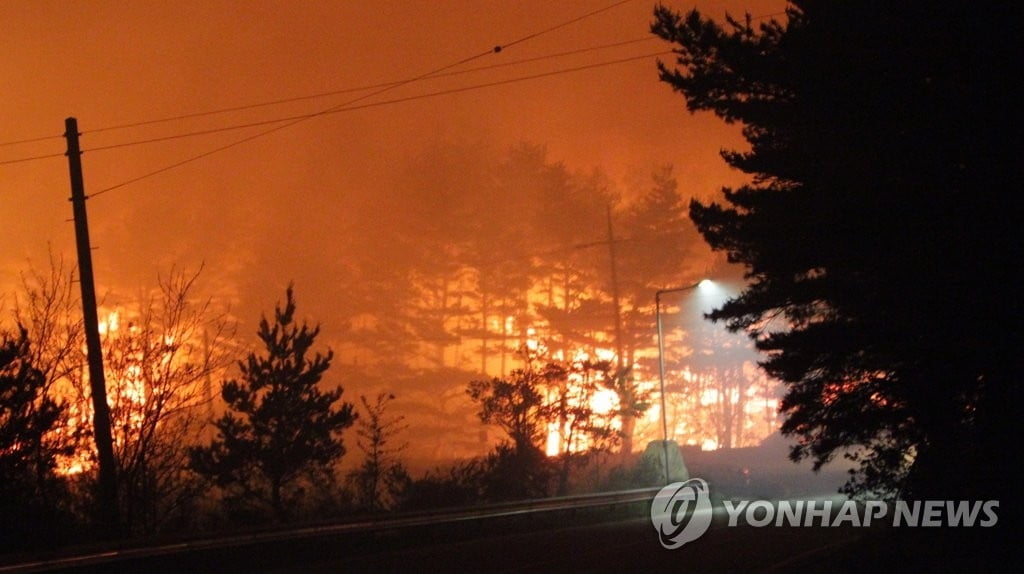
column 110, row 63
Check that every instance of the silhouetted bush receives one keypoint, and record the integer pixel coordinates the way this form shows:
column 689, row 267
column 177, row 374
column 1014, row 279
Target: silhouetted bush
column 512, row 473
column 458, row 485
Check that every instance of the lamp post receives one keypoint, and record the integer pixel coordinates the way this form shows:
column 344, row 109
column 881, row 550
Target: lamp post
column 661, row 361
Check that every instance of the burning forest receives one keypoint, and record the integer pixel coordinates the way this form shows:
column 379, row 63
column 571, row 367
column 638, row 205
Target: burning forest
column 476, row 270
column 517, row 273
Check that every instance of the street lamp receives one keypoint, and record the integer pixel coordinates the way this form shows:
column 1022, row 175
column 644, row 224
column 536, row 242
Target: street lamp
column 661, row 360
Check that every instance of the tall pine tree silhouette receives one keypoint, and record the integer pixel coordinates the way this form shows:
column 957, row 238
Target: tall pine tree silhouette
column 880, row 251
column 280, row 426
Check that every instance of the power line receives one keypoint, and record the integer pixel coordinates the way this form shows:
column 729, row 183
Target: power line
column 495, row 50
column 318, row 95
column 337, row 109
column 351, row 108
column 296, row 119
column 30, row 140
column 388, row 85
column 33, row 158
column 562, row 25
column 340, row 91
column 336, row 92
column 291, row 121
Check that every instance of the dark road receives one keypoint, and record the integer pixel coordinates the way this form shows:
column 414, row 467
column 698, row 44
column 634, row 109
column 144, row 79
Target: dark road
column 563, row 543
column 626, row 546
column 619, row 541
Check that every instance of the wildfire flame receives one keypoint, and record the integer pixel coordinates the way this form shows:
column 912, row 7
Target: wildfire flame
column 127, row 389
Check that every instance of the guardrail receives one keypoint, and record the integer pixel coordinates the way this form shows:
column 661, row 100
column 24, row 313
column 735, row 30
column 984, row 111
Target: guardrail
column 394, row 522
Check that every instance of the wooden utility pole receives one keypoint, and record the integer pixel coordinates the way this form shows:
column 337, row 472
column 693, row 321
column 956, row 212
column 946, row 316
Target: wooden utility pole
column 108, row 509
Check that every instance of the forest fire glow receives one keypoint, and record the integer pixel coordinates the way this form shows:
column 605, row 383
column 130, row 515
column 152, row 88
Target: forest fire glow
column 724, row 407
column 143, row 366
column 129, row 387
column 602, row 402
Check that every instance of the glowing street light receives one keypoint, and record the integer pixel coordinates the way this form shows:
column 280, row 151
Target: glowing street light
column 703, row 284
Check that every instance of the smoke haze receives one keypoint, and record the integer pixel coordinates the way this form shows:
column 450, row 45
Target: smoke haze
column 384, row 187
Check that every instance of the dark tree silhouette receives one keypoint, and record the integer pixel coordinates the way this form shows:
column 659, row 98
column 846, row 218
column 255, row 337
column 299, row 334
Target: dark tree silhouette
column 29, row 489
column 280, row 426
column 381, row 478
column 583, row 432
column 516, row 404
column 872, row 230
column 527, row 404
